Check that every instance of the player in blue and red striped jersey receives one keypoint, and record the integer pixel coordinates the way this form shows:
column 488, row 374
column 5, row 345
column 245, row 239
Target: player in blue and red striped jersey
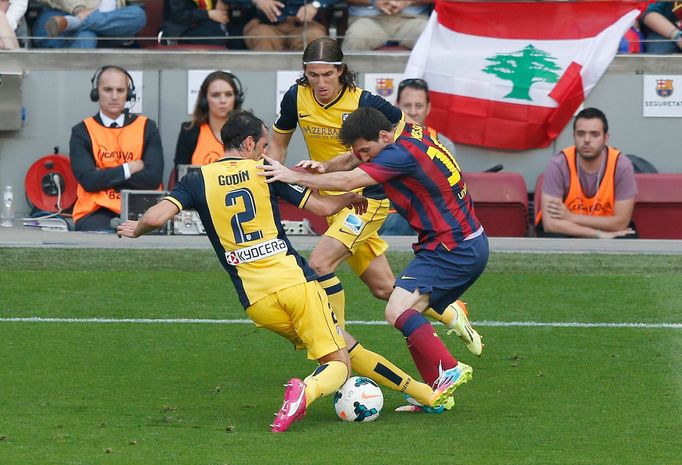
column 424, row 182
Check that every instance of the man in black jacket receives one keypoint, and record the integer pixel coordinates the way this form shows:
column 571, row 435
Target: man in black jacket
column 112, row 150
column 204, row 22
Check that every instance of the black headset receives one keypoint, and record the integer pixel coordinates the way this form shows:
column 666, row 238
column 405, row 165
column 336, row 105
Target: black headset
column 239, row 95
column 94, row 91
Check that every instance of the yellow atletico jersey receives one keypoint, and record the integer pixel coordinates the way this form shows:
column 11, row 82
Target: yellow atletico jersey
column 239, row 212
column 320, row 123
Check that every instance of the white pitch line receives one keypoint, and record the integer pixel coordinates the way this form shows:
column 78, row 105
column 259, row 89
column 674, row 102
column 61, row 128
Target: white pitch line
column 502, row 324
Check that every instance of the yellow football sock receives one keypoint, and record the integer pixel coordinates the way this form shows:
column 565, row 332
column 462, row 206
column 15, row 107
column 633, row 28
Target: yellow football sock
column 448, row 316
column 376, row 367
column 336, row 296
column 326, row 379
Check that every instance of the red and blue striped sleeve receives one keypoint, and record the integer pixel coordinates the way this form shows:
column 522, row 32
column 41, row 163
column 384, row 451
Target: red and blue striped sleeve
column 393, row 161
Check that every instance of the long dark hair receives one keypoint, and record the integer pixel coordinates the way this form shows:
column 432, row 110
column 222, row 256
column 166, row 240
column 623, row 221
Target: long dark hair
column 328, row 50
column 200, row 113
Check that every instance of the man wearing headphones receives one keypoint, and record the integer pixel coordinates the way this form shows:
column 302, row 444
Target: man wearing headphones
column 112, row 150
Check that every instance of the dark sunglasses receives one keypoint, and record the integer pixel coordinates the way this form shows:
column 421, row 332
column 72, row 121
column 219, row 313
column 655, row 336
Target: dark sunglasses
column 413, row 83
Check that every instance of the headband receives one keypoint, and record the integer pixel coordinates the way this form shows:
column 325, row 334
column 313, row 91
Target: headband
column 320, row 62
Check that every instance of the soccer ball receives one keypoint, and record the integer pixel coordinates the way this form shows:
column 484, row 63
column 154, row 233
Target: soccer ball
column 359, row 399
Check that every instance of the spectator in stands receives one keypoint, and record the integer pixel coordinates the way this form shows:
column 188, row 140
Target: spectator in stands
column 196, row 19
column 413, row 99
column 285, row 24
column 85, row 22
column 112, row 150
column 11, row 14
column 373, row 23
column 661, row 27
column 633, row 40
column 199, row 141
column 589, row 188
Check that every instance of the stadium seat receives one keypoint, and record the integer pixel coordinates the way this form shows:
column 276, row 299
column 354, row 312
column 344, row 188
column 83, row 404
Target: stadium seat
column 500, row 202
column 537, row 194
column 658, row 206
column 289, row 212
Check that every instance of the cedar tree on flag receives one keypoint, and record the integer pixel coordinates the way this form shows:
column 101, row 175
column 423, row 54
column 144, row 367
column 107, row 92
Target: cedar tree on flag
column 511, row 75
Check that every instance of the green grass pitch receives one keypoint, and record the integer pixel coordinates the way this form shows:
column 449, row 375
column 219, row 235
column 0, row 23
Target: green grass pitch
column 178, row 393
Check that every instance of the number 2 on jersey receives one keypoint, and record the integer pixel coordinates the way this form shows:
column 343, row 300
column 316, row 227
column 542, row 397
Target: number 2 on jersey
column 244, row 216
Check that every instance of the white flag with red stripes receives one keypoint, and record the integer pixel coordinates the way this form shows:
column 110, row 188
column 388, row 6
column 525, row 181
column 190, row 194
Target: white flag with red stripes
column 511, row 75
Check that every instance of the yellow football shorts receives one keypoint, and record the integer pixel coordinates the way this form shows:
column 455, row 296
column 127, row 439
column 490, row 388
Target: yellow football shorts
column 359, row 233
column 301, row 314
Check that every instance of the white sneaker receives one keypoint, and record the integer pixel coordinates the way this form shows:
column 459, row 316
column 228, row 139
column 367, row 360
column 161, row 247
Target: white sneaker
column 414, row 406
column 463, row 329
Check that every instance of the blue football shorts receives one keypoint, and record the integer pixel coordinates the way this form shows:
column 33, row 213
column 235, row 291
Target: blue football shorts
column 445, row 274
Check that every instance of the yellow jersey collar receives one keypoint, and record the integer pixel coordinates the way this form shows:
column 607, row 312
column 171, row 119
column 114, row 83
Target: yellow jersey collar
column 399, row 127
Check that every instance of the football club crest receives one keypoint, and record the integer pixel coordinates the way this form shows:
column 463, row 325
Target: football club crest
column 385, row 87
column 664, row 87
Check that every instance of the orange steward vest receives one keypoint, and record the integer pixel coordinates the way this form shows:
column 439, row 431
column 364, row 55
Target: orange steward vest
column 111, row 147
column 208, row 148
column 603, row 201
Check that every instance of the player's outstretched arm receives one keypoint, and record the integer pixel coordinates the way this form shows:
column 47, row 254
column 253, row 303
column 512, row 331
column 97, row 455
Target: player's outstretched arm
column 327, row 205
column 152, row 219
column 279, row 143
column 344, row 162
column 126, row 229
column 340, row 181
column 312, row 166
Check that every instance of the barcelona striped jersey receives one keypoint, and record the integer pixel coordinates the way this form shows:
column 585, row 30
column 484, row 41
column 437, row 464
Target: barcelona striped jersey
column 239, row 212
column 424, row 183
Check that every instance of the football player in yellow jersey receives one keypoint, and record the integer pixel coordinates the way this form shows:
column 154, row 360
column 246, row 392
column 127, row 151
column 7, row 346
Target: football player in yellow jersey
column 275, row 284
column 319, row 102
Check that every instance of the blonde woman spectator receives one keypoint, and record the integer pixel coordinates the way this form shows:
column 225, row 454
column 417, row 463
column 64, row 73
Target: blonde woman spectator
column 11, row 13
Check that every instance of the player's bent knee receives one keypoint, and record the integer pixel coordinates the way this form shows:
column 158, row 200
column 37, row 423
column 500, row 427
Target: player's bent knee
column 338, row 356
column 392, row 313
column 382, row 292
column 321, row 266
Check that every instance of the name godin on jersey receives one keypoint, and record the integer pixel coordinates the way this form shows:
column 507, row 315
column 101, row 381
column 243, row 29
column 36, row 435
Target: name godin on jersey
column 256, row 252
column 229, row 180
